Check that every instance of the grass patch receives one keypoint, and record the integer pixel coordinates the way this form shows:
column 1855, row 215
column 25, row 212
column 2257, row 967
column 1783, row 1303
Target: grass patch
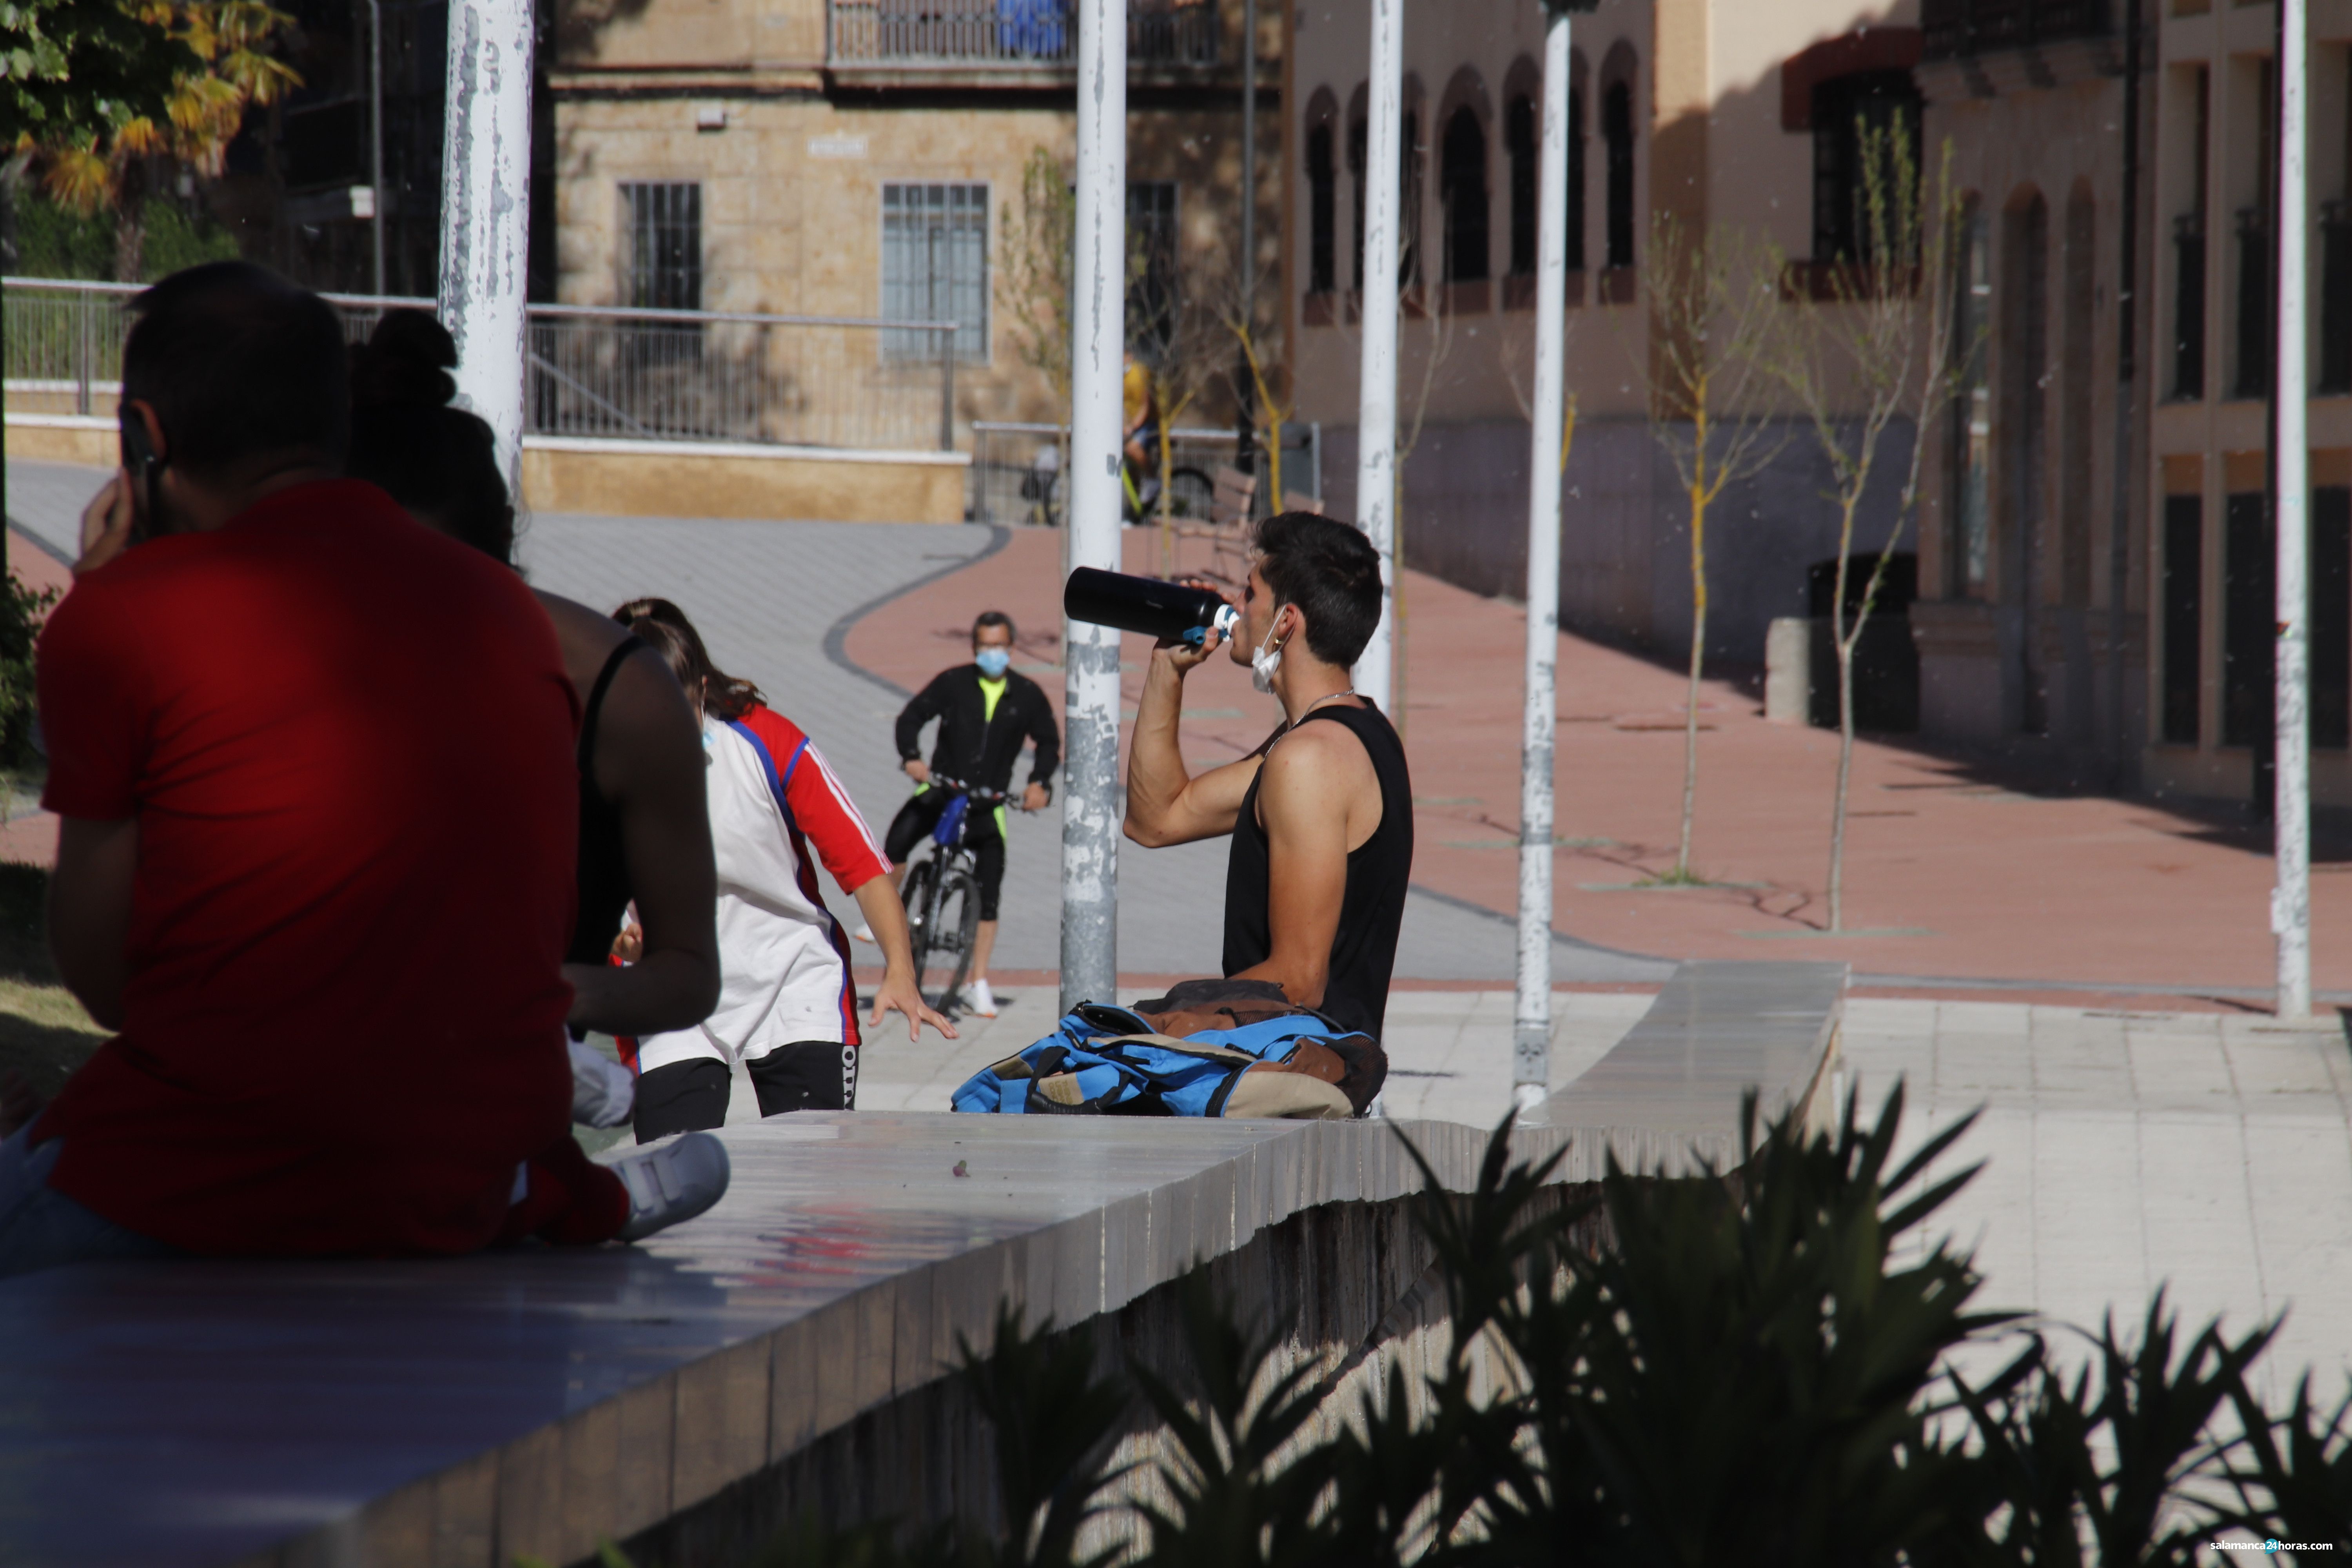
column 43, row 1032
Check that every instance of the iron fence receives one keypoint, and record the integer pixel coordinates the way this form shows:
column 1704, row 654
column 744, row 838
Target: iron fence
column 664, row 375
column 1017, row 471
column 998, row 33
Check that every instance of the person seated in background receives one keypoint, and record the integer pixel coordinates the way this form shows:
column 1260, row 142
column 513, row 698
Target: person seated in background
column 313, row 769
column 788, row 1010
column 645, row 830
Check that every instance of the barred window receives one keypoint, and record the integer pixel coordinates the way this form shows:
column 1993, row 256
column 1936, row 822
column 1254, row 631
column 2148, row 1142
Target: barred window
column 935, row 267
column 665, row 241
column 1153, row 286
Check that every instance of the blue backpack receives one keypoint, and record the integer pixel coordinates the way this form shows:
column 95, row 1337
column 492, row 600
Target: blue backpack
column 1105, row 1061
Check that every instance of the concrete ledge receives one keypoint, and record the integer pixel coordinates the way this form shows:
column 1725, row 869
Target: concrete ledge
column 466, row 1411
column 1666, row 1097
column 786, row 1350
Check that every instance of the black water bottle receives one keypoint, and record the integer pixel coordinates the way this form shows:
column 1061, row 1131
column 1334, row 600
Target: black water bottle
column 1165, row 611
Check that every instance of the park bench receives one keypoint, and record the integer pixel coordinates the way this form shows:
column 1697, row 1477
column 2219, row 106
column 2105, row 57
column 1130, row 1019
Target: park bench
column 693, row 1394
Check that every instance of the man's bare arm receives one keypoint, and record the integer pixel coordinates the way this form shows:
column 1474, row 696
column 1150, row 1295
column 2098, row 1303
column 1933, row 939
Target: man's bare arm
column 1309, row 787
column 89, row 911
column 1165, row 805
column 649, row 763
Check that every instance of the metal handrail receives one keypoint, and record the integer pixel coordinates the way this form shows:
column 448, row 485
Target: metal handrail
column 631, row 312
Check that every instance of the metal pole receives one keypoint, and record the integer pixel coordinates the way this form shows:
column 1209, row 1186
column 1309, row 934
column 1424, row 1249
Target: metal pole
column 1090, row 653
column 1375, row 396
column 376, row 134
column 947, row 341
column 2291, row 902
column 1247, row 449
column 486, row 213
column 2127, row 366
column 1531, row 1013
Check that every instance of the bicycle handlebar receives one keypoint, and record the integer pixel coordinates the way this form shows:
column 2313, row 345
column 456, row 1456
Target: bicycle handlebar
column 982, row 796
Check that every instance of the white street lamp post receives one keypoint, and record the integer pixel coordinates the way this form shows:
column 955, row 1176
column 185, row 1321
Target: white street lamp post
column 2291, row 902
column 1531, row 1013
column 1090, row 653
column 1376, row 406
column 486, row 213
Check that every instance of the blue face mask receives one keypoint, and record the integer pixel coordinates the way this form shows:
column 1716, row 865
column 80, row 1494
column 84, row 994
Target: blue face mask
column 993, row 661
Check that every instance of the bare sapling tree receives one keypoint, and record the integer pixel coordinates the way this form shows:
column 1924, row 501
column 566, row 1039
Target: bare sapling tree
column 1034, row 285
column 1712, row 301
column 1873, row 351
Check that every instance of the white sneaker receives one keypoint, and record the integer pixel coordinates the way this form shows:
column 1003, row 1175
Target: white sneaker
column 979, row 1000
column 671, row 1181
column 864, row 933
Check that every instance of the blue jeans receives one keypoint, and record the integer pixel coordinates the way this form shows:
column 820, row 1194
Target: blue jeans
column 42, row 1228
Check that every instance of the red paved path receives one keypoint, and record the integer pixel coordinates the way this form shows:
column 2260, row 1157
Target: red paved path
column 1964, row 878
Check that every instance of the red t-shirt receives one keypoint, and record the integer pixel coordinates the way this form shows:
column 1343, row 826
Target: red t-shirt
column 347, row 740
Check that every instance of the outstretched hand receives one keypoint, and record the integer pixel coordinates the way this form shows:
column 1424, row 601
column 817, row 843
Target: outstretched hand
column 897, row 993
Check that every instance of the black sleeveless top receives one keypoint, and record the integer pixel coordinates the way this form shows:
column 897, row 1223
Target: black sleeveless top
column 1363, row 950
column 604, row 872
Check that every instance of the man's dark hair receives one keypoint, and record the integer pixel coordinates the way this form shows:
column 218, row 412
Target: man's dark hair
column 994, row 619
column 237, row 363
column 1330, row 571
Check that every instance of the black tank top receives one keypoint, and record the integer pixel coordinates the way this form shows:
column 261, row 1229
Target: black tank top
column 604, row 872
column 1363, row 950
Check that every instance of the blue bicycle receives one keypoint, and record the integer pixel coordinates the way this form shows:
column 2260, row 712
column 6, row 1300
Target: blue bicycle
column 942, row 895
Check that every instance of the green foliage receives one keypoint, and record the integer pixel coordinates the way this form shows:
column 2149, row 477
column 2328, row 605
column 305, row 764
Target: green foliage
column 21, row 611
column 74, row 69
column 55, row 241
column 1740, row 1374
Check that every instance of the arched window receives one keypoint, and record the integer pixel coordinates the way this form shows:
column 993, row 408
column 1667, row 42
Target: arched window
column 1322, row 216
column 1519, row 145
column 1846, row 110
column 1617, row 132
column 1462, row 190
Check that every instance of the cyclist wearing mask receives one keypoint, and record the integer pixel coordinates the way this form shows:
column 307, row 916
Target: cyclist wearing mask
column 986, row 714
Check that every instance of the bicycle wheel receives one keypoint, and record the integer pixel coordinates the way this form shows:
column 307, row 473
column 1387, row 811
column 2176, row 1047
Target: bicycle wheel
column 955, row 924
column 1191, row 494
column 917, row 896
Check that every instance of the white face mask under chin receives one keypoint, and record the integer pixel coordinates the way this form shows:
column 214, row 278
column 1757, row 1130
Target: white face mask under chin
column 1263, row 663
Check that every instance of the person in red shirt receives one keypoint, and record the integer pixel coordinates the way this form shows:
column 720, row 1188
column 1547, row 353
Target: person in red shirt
column 313, row 764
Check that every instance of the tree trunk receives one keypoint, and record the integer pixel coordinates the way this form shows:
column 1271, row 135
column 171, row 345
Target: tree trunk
column 1698, row 657
column 1844, row 773
column 131, row 223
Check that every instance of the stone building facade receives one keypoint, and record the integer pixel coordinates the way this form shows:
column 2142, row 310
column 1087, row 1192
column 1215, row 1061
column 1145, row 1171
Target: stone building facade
column 865, row 159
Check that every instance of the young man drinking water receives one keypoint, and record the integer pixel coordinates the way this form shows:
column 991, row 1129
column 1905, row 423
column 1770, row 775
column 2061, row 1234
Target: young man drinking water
column 1322, row 814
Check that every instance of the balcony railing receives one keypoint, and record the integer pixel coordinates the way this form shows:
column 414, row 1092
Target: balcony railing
column 1009, row 35
column 1955, row 28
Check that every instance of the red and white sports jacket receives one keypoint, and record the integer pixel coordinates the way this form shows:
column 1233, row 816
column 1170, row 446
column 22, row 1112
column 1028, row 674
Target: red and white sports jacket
column 784, row 959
